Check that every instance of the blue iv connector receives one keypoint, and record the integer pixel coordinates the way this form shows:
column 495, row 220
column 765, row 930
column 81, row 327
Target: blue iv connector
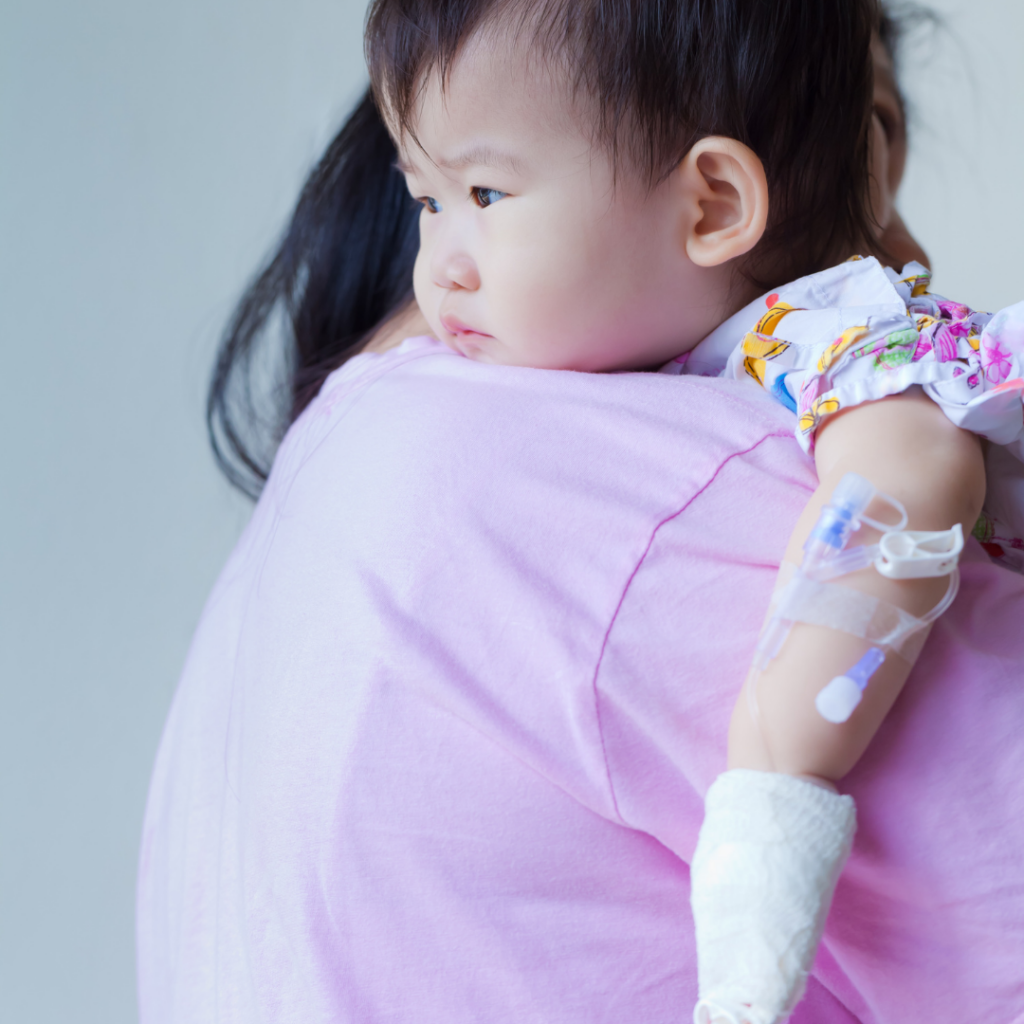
column 836, row 702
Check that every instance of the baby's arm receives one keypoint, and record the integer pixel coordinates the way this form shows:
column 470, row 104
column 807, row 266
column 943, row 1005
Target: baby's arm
column 771, row 846
column 907, row 448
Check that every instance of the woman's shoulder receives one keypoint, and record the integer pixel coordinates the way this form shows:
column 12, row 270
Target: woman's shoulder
column 368, row 365
column 420, row 426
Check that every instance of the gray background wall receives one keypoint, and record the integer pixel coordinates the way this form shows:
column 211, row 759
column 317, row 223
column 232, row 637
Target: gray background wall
column 149, row 154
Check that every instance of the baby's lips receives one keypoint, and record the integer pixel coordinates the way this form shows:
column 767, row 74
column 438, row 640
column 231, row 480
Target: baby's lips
column 453, row 325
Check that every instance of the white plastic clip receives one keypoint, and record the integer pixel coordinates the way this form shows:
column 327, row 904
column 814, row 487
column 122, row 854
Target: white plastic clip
column 915, row 554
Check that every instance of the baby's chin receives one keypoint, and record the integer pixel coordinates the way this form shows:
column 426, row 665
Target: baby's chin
column 469, row 346
column 556, row 354
column 481, row 348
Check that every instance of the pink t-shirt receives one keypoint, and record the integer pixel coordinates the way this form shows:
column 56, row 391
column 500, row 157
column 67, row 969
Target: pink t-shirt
column 439, row 750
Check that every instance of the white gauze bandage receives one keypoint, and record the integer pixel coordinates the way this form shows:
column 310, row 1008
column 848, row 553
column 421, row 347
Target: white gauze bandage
column 769, row 853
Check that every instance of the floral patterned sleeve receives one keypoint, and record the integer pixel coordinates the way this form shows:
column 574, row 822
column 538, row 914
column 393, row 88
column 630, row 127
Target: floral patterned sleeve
column 859, row 332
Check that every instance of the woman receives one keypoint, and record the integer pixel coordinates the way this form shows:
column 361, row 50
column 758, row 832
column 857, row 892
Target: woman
column 439, row 753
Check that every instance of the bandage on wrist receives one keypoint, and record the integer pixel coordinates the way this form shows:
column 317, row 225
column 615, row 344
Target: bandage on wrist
column 767, row 860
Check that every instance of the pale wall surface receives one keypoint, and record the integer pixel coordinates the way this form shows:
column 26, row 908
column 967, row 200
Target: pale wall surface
column 963, row 193
column 149, row 153
column 148, row 156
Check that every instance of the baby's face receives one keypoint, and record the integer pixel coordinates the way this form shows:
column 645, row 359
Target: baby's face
column 531, row 252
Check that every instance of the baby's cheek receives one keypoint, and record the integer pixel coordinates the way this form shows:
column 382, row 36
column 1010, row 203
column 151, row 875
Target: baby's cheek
column 555, row 305
column 420, row 276
column 421, row 287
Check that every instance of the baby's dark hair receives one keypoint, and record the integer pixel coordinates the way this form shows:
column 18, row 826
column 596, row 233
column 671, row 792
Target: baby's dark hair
column 344, row 264
column 792, row 79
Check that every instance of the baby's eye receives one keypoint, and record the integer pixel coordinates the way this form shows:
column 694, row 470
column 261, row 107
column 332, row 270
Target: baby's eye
column 486, row 196
column 430, row 203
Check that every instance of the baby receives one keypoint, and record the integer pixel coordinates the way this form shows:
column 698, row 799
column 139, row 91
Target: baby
column 626, row 186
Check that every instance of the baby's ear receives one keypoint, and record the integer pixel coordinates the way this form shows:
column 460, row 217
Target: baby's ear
column 725, row 198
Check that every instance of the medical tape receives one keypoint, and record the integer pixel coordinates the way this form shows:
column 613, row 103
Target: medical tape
column 850, row 611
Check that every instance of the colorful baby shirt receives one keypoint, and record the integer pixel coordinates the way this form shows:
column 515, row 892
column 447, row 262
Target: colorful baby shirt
column 858, row 332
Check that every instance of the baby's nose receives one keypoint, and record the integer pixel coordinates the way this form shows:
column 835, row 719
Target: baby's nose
column 457, row 271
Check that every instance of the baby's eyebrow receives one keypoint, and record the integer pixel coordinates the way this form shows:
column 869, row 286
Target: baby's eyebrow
column 483, row 156
column 474, row 156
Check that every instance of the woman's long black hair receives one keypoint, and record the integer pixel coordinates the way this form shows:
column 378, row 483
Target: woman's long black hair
column 343, row 266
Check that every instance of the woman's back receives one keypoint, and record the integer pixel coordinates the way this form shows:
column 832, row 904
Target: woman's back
column 440, row 748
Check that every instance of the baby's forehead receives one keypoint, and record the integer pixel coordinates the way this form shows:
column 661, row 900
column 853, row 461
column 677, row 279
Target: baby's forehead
column 495, row 98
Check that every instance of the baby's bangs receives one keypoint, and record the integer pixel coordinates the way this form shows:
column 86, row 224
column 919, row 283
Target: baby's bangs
column 407, row 40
